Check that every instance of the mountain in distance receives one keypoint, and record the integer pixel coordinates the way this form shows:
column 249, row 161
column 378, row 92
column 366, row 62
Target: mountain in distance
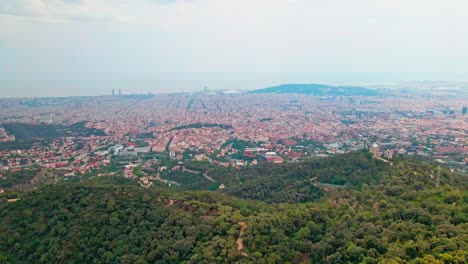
column 319, row 89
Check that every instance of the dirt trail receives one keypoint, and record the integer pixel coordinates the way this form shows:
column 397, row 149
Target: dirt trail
column 171, row 202
column 240, row 240
column 196, row 172
column 384, row 160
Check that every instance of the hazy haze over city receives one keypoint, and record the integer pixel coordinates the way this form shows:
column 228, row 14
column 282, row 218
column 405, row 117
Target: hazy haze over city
column 88, row 47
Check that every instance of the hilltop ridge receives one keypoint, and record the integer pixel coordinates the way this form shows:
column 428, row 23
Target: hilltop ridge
column 319, row 89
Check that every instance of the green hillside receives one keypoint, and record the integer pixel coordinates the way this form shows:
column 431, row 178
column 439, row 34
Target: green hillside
column 401, row 216
column 303, row 181
column 319, row 90
column 25, row 132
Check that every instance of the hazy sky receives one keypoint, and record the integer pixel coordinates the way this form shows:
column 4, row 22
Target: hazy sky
column 87, row 47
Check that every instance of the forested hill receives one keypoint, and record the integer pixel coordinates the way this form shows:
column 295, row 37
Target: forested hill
column 405, row 217
column 46, row 131
column 304, row 181
column 319, row 90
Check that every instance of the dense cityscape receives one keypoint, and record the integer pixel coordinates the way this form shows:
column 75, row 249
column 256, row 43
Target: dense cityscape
column 226, row 129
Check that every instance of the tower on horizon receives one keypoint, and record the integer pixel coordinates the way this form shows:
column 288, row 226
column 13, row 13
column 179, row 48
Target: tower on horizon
column 120, row 92
column 113, row 92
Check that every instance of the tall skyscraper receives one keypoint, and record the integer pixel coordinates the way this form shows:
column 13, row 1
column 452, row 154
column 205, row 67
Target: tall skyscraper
column 120, row 91
column 113, row 93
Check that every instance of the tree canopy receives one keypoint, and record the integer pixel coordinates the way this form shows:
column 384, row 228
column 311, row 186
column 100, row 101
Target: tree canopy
column 400, row 215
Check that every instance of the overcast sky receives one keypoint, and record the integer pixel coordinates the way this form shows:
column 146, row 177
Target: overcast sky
column 88, row 47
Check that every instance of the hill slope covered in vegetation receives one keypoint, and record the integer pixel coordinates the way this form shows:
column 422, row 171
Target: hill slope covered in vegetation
column 319, row 90
column 402, row 217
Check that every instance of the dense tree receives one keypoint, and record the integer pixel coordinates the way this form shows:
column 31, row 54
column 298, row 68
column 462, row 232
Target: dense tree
column 398, row 216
